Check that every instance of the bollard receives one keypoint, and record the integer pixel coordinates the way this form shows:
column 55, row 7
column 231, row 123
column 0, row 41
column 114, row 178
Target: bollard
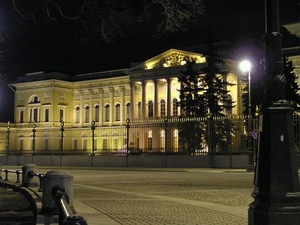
column 30, row 181
column 51, row 180
column 0, row 172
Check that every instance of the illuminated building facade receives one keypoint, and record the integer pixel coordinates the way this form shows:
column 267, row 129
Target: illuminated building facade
column 89, row 112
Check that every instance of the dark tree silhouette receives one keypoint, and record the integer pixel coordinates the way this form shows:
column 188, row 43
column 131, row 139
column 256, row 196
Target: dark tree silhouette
column 108, row 20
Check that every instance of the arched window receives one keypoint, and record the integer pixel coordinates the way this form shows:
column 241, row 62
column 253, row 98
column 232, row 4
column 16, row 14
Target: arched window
column 97, row 113
column 150, row 109
column 77, row 116
column 107, row 111
column 175, row 107
column 162, row 108
column 128, row 110
column 118, row 112
column 87, row 114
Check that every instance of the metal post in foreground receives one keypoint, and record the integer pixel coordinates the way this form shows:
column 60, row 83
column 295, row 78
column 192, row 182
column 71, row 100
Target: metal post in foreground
column 277, row 190
column 62, row 124
column 127, row 140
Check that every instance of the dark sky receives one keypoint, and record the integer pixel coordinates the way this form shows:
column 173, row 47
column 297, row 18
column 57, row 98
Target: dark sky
column 30, row 48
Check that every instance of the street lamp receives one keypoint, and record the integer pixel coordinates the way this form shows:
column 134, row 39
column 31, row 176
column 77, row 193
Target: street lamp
column 62, row 125
column 245, row 66
column 33, row 138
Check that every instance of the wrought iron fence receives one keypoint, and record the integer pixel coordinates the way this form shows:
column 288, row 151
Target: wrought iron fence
column 193, row 136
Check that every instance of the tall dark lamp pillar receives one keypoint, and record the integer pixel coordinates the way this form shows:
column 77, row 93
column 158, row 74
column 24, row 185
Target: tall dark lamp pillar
column 277, row 190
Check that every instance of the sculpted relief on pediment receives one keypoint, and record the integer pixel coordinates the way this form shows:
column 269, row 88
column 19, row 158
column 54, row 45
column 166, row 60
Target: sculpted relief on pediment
column 173, row 59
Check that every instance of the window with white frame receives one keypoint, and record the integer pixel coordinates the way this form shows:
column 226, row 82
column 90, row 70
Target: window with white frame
column 33, row 114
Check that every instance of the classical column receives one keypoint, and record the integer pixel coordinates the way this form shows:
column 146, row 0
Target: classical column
column 81, row 106
column 111, row 103
column 169, row 97
column 132, row 102
column 101, row 108
column 155, row 82
column 91, row 92
column 122, row 107
column 144, row 99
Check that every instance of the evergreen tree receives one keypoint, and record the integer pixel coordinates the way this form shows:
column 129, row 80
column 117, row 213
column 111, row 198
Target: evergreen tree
column 215, row 94
column 291, row 88
column 191, row 103
column 216, row 101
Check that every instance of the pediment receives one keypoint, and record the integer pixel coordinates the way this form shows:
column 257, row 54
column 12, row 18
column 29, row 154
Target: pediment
column 170, row 58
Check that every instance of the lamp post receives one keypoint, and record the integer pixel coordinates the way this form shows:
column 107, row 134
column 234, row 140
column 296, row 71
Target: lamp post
column 276, row 184
column 7, row 136
column 245, row 66
column 93, row 141
column 127, row 140
column 33, row 139
column 62, row 124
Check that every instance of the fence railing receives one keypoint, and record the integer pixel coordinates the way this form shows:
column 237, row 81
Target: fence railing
column 54, row 186
column 193, row 136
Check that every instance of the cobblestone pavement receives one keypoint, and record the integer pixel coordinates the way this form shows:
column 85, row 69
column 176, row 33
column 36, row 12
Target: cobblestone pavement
column 164, row 196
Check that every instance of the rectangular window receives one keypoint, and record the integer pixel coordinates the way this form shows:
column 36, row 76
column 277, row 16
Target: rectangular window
column 21, row 116
column 46, row 115
column 35, row 115
column 61, row 115
column 118, row 113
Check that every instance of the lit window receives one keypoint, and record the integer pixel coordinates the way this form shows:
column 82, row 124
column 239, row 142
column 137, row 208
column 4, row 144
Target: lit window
column 97, row 113
column 21, row 118
column 77, row 114
column 128, row 110
column 150, row 109
column 118, row 112
column 46, row 115
column 87, row 114
column 107, row 109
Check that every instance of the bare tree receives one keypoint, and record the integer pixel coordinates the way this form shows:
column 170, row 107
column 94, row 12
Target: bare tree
column 106, row 20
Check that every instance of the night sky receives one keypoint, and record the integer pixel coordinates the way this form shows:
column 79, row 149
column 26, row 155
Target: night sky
column 29, row 48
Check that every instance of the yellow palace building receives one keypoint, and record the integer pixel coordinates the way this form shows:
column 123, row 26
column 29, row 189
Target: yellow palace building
column 89, row 113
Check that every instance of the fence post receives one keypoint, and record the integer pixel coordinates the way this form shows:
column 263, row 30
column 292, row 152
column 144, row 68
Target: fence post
column 51, row 180
column 29, row 181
